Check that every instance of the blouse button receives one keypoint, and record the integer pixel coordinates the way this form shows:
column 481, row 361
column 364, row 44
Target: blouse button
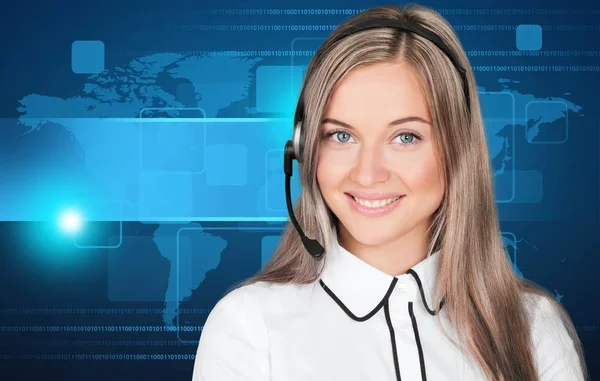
column 406, row 291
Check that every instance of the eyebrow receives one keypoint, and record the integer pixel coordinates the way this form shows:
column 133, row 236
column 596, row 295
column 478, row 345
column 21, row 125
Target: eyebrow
column 391, row 124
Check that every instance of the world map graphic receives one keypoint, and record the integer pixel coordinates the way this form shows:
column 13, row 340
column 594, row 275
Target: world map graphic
column 220, row 87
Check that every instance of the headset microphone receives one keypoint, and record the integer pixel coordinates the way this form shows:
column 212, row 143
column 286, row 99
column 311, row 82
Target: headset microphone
column 313, row 247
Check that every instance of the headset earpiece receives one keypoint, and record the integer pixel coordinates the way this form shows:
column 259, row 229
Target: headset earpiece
column 298, row 141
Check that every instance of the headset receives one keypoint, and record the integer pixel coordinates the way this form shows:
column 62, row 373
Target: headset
column 294, row 148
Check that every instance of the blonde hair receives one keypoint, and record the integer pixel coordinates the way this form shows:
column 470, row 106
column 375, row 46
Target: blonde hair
column 484, row 298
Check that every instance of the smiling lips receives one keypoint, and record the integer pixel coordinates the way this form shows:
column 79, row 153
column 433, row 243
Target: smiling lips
column 376, row 203
column 372, row 207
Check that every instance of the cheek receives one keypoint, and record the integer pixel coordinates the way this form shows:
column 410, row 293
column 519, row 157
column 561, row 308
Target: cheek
column 329, row 170
column 425, row 177
column 327, row 175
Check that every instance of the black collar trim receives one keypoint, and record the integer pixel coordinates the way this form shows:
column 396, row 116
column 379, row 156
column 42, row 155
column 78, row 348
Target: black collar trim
column 348, row 312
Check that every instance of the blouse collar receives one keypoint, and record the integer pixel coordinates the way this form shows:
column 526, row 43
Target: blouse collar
column 361, row 287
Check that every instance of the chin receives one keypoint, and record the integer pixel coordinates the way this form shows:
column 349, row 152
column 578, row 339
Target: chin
column 371, row 236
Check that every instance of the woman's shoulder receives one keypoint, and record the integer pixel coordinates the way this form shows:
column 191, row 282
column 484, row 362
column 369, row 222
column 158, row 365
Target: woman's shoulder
column 262, row 297
column 268, row 290
column 544, row 312
column 248, row 310
column 538, row 305
column 553, row 337
column 235, row 336
column 542, row 307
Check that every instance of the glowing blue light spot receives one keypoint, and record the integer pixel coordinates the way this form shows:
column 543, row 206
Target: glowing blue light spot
column 71, row 221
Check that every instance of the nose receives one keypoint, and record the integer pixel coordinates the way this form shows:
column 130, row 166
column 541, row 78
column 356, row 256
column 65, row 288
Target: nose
column 370, row 167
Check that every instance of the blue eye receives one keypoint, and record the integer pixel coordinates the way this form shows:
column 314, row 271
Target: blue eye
column 413, row 137
column 339, row 134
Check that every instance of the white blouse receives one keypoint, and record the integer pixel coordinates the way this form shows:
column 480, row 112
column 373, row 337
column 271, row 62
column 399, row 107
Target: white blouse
column 355, row 323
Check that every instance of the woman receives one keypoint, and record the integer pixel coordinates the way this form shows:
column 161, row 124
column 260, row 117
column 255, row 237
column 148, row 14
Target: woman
column 414, row 283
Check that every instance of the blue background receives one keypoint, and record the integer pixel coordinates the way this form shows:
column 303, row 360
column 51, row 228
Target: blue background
column 134, row 115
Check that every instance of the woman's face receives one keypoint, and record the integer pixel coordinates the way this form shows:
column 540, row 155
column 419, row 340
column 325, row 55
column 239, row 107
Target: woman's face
column 370, row 154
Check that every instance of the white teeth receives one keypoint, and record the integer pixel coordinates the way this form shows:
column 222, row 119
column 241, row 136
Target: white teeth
column 376, row 203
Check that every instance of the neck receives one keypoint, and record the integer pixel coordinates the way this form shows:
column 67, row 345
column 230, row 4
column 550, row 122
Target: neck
column 394, row 257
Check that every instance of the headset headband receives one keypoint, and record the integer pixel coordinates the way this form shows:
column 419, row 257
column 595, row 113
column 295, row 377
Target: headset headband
column 413, row 28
